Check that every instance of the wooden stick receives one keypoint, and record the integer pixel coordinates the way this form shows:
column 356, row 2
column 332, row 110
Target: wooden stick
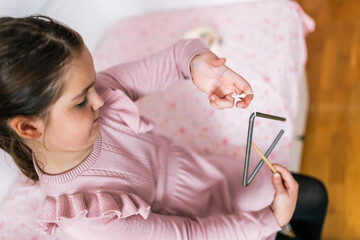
column 263, row 157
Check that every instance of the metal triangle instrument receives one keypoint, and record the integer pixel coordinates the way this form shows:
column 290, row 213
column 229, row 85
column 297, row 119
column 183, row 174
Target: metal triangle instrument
column 246, row 180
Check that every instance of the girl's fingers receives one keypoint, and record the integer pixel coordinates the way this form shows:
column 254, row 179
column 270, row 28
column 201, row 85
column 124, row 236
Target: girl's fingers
column 221, row 103
column 239, row 81
column 289, row 181
column 245, row 88
column 248, row 98
column 244, row 101
column 240, row 85
column 278, row 184
column 229, row 98
column 241, row 104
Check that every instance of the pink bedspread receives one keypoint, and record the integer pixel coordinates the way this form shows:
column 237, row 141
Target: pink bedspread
column 263, row 41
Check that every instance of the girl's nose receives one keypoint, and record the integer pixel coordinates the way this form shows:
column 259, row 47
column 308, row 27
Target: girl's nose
column 98, row 101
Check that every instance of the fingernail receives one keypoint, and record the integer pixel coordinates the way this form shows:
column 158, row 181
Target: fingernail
column 277, row 176
column 212, row 98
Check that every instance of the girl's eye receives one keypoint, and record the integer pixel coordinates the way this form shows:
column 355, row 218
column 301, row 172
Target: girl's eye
column 83, row 103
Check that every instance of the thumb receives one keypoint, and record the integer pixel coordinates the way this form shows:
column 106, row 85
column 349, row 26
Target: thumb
column 278, row 184
column 217, row 62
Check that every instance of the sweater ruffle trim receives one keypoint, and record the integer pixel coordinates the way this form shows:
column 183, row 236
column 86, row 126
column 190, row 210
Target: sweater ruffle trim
column 91, row 206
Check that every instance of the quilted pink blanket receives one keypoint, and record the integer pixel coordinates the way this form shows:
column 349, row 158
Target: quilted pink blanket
column 263, row 41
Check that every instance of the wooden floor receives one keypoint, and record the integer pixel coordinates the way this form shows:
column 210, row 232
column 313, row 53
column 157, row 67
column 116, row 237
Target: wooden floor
column 332, row 143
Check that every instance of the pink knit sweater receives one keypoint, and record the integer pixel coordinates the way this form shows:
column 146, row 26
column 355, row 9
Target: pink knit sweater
column 137, row 185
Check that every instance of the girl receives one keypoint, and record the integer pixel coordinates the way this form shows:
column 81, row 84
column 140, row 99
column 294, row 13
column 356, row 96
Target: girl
column 102, row 172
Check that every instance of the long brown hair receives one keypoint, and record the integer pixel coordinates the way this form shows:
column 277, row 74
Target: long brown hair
column 33, row 53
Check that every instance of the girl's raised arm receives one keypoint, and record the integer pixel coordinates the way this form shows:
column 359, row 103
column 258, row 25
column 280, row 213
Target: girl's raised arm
column 153, row 73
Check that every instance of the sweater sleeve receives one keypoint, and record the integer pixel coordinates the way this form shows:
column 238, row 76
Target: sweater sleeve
column 153, row 73
column 255, row 225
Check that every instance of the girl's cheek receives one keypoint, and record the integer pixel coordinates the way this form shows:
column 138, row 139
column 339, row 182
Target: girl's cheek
column 86, row 117
column 79, row 118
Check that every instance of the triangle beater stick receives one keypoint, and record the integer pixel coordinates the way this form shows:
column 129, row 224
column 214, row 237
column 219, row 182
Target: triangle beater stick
column 263, row 157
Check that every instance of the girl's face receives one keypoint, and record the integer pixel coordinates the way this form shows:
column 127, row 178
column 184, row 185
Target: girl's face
column 73, row 119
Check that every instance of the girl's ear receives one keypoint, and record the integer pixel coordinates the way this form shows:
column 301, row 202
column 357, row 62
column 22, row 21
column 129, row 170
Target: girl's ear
column 26, row 127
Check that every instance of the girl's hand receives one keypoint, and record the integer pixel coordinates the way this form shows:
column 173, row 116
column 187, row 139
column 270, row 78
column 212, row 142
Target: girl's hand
column 210, row 75
column 286, row 191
